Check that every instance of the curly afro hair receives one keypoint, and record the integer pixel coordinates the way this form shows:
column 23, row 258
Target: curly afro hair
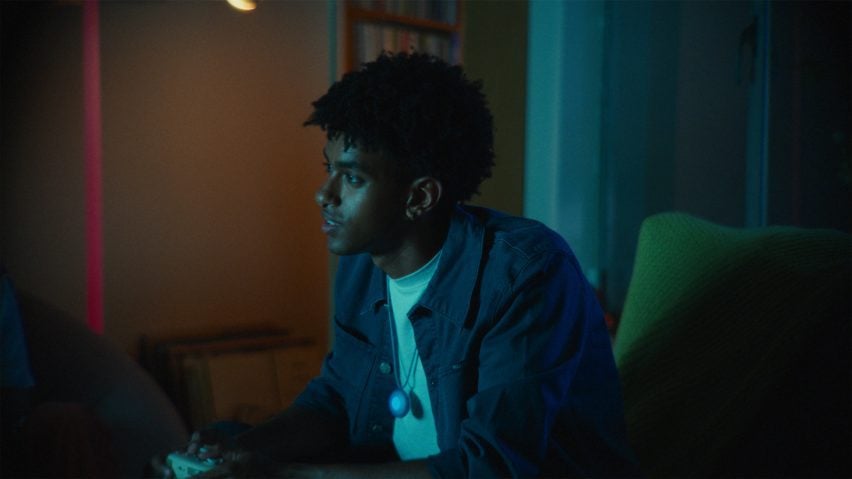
column 422, row 112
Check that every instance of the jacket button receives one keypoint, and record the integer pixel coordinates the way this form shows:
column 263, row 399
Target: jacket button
column 376, row 428
column 384, row 367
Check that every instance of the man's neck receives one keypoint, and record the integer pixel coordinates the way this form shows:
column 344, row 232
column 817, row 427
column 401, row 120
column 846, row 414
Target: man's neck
column 421, row 243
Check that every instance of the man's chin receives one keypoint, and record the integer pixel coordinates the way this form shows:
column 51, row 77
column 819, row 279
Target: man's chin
column 339, row 249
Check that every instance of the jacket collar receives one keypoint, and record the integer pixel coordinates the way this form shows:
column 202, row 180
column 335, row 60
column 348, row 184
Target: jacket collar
column 450, row 293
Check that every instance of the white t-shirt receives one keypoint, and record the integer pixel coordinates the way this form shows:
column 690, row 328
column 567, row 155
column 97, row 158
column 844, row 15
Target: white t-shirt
column 414, row 435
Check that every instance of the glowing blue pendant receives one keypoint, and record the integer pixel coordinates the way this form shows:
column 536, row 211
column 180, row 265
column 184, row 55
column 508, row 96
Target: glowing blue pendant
column 398, row 403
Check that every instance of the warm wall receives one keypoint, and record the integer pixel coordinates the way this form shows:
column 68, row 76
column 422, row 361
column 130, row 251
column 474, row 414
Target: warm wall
column 208, row 174
column 495, row 51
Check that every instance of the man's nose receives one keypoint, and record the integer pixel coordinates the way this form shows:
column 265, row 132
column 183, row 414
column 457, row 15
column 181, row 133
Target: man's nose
column 325, row 195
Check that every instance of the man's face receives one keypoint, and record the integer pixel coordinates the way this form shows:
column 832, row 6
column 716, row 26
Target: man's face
column 362, row 202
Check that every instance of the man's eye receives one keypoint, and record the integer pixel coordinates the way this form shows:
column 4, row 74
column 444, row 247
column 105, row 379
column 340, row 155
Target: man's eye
column 354, row 180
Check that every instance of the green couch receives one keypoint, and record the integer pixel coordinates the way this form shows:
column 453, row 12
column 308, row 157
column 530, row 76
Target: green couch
column 734, row 350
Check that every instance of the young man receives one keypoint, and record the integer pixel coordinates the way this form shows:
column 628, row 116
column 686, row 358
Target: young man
column 467, row 342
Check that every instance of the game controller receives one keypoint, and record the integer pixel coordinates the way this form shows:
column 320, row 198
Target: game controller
column 187, row 465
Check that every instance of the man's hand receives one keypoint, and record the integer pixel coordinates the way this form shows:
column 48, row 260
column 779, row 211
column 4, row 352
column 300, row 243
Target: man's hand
column 206, row 444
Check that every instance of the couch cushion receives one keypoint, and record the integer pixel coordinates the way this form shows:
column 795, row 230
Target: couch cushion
column 73, row 365
column 734, row 349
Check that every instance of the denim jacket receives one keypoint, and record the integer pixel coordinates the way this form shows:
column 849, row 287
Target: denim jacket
column 521, row 375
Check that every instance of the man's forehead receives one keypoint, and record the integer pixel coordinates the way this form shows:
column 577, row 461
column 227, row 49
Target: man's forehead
column 352, row 157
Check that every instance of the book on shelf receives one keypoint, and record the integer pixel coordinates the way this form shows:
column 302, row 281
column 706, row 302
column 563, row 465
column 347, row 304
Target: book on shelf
column 444, row 11
column 427, row 26
column 371, row 39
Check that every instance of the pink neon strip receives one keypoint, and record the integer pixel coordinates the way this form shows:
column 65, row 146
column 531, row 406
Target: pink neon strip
column 92, row 138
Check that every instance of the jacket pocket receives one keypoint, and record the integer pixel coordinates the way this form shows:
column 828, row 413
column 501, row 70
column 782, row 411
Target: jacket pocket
column 351, row 364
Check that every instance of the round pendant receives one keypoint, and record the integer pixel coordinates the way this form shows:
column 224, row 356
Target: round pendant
column 398, row 403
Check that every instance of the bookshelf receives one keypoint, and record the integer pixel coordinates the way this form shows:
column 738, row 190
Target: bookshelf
column 428, row 26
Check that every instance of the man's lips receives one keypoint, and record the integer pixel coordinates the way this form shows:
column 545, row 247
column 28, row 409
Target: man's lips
column 330, row 224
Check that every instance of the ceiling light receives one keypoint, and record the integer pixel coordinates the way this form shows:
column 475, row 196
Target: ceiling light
column 243, row 5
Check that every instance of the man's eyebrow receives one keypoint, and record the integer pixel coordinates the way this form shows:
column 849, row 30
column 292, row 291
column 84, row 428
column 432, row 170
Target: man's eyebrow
column 351, row 165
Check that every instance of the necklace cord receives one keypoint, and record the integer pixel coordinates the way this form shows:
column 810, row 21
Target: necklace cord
column 394, row 338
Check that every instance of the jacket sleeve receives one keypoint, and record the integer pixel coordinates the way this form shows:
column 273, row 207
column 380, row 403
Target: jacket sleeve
column 314, row 427
column 343, row 366
column 547, row 330
column 322, row 392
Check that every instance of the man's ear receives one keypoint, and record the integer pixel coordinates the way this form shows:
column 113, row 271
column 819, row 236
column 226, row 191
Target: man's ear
column 424, row 194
